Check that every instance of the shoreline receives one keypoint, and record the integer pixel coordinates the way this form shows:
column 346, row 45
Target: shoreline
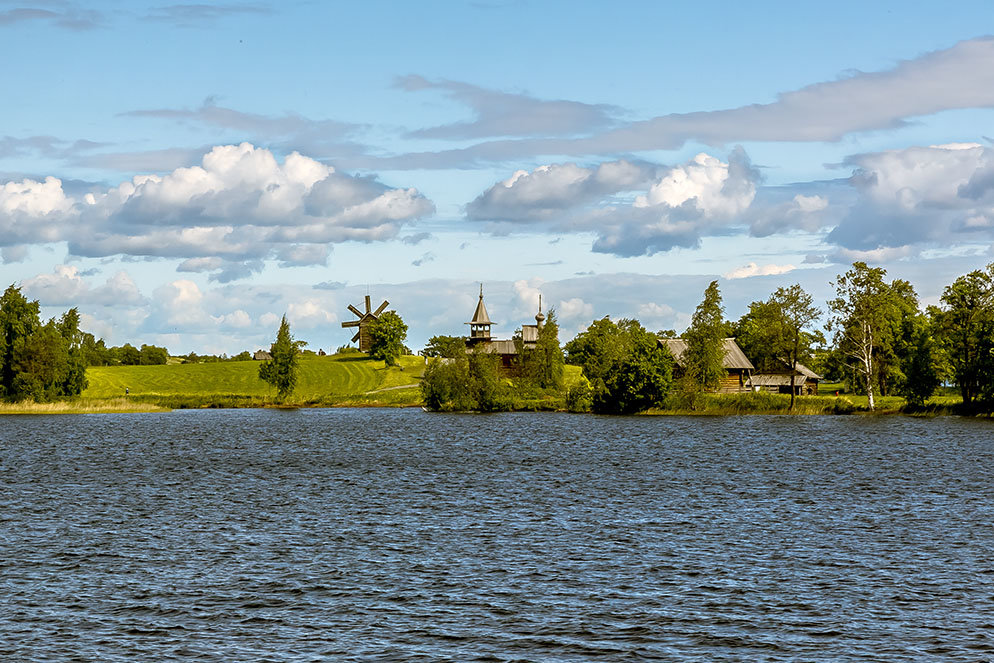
column 145, row 405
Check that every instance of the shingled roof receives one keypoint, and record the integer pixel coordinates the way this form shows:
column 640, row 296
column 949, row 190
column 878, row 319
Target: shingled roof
column 480, row 317
column 734, row 357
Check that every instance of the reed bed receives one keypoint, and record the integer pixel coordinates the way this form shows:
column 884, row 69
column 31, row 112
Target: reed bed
column 760, row 403
column 82, row 406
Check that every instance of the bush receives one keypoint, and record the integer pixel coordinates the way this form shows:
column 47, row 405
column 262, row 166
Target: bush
column 579, row 397
column 469, row 382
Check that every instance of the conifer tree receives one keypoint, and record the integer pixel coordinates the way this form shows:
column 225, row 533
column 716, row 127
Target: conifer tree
column 705, row 355
column 281, row 370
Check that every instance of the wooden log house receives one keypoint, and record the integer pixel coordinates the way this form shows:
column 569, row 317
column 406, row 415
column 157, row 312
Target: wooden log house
column 738, row 368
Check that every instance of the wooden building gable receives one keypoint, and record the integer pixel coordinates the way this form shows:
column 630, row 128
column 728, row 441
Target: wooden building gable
column 738, row 368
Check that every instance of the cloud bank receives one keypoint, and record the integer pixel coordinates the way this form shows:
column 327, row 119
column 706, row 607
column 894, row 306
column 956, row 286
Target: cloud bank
column 239, row 207
column 675, row 208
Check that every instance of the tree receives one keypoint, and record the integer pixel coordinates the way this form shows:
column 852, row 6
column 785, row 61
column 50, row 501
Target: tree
column 151, row 355
column 640, row 380
column 95, row 352
column 775, row 331
column 41, row 366
column 922, row 358
column 281, row 370
column 859, row 318
column 705, row 353
column 445, row 346
column 469, row 381
column 40, row 362
column 445, row 384
column 596, row 348
column 128, row 355
column 543, row 364
column 967, row 329
column 387, row 334
column 18, row 321
column 75, row 372
column 627, row 368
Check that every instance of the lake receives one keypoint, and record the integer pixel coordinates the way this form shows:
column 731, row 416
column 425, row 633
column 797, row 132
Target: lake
column 397, row 535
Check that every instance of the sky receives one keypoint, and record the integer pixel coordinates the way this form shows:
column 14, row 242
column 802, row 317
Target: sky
column 186, row 174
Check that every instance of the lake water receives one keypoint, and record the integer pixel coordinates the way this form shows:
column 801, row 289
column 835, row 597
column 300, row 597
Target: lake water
column 396, row 535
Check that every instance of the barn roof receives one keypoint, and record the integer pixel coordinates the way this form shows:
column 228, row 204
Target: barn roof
column 734, row 357
column 807, row 372
column 802, row 370
column 776, row 380
column 498, row 347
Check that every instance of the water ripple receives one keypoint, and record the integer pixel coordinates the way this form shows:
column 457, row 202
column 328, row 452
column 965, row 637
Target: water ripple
column 366, row 535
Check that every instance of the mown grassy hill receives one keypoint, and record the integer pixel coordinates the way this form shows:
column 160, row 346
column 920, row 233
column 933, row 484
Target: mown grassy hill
column 321, row 379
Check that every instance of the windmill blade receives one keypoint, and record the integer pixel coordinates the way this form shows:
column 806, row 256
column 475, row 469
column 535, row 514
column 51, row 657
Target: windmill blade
column 368, row 306
column 356, row 337
column 382, row 306
column 352, row 323
column 355, row 310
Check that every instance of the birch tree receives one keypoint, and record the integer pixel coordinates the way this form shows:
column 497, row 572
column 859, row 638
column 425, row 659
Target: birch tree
column 859, row 318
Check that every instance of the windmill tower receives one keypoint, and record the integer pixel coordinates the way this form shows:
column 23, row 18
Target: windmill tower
column 365, row 319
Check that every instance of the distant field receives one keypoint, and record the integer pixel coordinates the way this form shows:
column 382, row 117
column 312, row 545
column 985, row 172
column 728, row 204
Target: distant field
column 319, row 378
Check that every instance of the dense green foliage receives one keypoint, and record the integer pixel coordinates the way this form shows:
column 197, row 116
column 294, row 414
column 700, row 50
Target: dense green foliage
column 704, row 358
column 966, row 324
column 40, row 362
column 470, row 381
column 542, row 366
column 883, row 342
column 96, row 353
column 387, row 335
column 859, row 321
column 445, row 346
column 922, row 358
column 194, row 358
column 627, row 368
column 281, row 370
column 776, row 334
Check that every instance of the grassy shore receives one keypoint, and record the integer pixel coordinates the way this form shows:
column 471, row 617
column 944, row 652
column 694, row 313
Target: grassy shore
column 81, row 406
column 356, row 381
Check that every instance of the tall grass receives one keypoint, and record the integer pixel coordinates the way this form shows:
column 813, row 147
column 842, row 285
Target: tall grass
column 763, row 403
column 81, row 406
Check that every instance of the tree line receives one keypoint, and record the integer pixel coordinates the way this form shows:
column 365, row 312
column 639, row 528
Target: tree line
column 38, row 361
column 881, row 342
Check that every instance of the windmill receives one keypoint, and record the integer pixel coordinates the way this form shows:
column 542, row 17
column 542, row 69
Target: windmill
column 363, row 323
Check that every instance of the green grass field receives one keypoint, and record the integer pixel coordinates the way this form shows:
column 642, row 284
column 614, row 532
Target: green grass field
column 321, row 380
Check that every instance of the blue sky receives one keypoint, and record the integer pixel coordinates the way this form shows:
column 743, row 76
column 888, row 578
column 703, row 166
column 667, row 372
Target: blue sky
column 186, row 174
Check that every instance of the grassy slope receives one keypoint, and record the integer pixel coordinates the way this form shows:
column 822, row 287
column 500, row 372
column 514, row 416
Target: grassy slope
column 320, row 378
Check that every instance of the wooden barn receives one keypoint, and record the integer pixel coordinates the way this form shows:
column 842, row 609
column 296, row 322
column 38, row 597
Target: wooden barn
column 738, row 368
column 778, row 381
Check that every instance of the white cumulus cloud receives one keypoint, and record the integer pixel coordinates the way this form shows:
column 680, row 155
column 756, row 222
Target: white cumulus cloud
column 752, row 269
column 676, row 207
column 65, row 286
column 939, row 194
column 240, row 204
